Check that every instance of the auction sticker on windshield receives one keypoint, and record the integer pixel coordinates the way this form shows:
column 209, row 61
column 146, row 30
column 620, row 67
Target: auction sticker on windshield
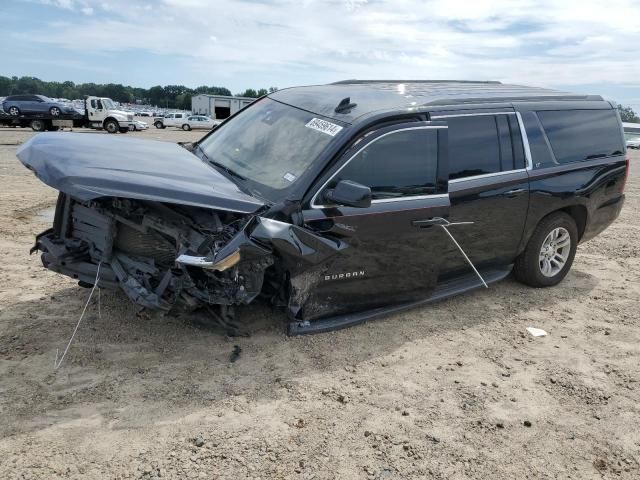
column 324, row 126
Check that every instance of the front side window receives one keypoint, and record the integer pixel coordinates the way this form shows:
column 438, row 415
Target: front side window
column 578, row 135
column 403, row 163
column 474, row 146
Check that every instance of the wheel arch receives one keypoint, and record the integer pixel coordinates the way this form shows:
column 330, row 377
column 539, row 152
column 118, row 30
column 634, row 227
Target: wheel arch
column 579, row 213
column 104, row 122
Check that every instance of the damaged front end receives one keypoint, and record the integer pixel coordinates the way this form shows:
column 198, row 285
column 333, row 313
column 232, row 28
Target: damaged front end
column 162, row 256
column 180, row 258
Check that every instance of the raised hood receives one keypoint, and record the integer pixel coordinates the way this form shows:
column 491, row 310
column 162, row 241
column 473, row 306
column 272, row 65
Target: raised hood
column 88, row 166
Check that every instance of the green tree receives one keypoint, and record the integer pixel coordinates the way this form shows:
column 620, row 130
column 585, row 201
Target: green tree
column 627, row 114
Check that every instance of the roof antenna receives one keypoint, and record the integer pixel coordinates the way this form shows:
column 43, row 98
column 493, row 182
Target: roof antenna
column 345, row 105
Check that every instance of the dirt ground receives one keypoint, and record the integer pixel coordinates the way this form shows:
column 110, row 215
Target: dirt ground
column 454, row 390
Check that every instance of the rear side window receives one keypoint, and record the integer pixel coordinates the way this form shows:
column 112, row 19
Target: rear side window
column 474, row 146
column 577, row 135
column 400, row 164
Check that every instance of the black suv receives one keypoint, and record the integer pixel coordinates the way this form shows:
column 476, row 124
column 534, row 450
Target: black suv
column 339, row 202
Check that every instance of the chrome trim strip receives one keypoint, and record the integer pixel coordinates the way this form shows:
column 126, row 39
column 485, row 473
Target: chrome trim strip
column 525, row 142
column 315, row 196
column 433, row 117
column 487, row 175
column 406, row 199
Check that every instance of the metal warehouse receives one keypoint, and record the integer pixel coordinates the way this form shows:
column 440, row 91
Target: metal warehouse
column 218, row 106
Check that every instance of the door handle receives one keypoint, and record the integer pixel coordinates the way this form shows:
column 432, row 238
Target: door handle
column 429, row 222
column 514, row 193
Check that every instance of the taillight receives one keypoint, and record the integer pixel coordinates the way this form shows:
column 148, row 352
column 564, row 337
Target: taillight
column 626, row 172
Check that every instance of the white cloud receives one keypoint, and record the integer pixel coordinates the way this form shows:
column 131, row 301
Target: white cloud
column 537, row 42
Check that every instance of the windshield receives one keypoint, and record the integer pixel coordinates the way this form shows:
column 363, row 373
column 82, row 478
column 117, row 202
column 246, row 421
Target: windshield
column 108, row 103
column 269, row 143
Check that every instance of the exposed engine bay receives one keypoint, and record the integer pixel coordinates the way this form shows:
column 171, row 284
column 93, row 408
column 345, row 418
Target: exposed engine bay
column 179, row 258
column 162, row 256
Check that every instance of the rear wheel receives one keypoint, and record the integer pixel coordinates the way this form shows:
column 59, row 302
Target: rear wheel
column 550, row 252
column 38, row 125
column 111, row 126
column 186, row 127
column 14, row 111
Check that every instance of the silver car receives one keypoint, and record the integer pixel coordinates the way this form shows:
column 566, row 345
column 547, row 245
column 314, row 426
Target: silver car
column 199, row 121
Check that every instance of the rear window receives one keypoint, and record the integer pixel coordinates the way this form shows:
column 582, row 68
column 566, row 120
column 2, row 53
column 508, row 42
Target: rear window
column 474, row 146
column 578, row 135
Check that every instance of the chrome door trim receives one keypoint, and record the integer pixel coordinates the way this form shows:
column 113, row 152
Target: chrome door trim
column 434, row 117
column 487, row 175
column 525, row 142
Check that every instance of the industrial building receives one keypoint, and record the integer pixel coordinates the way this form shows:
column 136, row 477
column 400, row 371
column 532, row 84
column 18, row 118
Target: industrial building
column 218, row 106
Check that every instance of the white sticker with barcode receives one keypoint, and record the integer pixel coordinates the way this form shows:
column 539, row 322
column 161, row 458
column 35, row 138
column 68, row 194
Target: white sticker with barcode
column 289, row 177
column 324, row 126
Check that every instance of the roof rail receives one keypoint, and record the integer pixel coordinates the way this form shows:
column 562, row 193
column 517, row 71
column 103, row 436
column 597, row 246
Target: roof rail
column 355, row 81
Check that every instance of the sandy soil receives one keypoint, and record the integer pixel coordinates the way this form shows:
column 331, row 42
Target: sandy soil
column 450, row 391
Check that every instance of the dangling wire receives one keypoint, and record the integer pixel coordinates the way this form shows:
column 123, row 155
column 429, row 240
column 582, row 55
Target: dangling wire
column 56, row 363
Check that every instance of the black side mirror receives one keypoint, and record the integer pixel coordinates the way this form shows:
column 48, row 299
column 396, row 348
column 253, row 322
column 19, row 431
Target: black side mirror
column 350, row 194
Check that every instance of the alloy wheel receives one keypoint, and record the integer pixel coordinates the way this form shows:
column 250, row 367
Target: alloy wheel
column 554, row 252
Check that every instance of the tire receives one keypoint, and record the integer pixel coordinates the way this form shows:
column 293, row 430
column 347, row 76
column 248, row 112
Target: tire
column 540, row 265
column 186, row 127
column 14, row 111
column 55, row 111
column 38, row 125
column 111, row 126
column 159, row 125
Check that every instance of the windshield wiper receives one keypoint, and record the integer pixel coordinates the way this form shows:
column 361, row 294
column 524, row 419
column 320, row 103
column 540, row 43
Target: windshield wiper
column 218, row 164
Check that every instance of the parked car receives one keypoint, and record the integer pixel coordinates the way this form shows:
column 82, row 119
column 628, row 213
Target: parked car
column 339, row 202
column 199, row 121
column 138, row 125
column 633, row 143
column 174, row 119
column 16, row 105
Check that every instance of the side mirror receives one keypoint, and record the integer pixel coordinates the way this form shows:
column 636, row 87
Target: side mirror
column 350, row 194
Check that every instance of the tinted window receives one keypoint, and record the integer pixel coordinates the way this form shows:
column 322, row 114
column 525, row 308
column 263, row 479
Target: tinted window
column 577, row 135
column 474, row 147
column 516, row 142
column 540, row 153
column 400, row 164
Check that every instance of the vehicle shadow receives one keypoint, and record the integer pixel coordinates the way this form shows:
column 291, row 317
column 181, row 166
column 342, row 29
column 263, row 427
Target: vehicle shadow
column 120, row 358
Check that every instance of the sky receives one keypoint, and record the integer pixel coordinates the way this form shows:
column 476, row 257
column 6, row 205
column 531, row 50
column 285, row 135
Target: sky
column 581, row 46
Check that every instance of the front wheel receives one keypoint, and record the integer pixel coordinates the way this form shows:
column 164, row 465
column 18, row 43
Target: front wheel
column 186, row 127
column 111, row 126
column 159, row 125
column 549, row 253
column 54, row 111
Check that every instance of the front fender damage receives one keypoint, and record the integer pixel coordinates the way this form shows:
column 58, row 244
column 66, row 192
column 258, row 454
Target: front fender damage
column 171, row 257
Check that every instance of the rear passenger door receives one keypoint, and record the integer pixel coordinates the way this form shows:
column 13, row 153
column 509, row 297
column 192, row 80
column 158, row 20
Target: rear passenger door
column 488, row 186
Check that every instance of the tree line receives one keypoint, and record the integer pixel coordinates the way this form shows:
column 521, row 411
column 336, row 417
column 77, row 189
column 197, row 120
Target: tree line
column 168, row 96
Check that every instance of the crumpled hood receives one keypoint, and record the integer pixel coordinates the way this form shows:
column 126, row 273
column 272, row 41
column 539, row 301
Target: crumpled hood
column 88, row 166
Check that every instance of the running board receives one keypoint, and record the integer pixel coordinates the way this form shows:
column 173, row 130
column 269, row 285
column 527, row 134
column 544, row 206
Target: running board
column 444, row 290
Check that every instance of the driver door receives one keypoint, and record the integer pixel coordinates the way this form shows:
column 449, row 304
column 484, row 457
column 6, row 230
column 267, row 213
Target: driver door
column 395, row 247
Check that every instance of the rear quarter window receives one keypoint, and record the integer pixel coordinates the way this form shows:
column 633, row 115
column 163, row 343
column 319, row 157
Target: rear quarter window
column 578, row 135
